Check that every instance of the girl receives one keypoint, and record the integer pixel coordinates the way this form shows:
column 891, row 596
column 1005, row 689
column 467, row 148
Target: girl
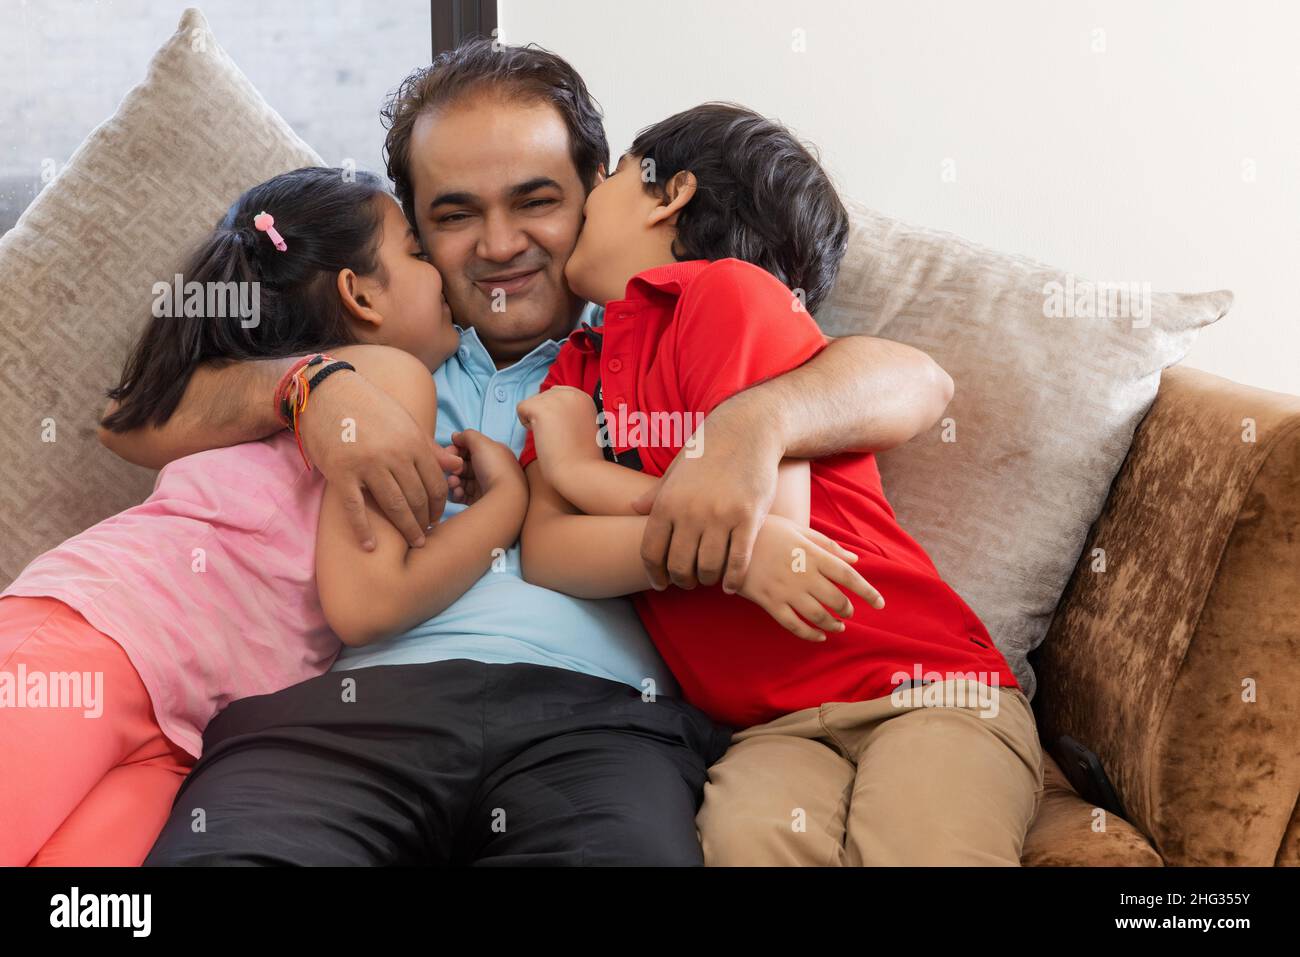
column 239, row 575
column 696, row 244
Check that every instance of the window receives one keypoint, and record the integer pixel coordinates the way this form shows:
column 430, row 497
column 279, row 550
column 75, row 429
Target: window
column 66, row 64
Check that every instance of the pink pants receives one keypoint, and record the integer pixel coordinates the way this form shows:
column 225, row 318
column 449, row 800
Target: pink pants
column 79, row 788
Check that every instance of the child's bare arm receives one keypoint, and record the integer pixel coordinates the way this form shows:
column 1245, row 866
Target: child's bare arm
column 566, row 436
column 368, row 595
column 588, row 556
column 796, row 571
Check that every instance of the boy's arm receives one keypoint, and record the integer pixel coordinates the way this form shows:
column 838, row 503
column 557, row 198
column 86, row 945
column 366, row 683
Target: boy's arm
column 357, row 435
column 858, row 394
column 565, row 437
column 587, row 556
column 598, row 556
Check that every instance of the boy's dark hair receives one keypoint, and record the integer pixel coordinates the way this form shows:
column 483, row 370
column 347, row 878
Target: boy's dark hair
column 761, row 196
column 330, row 219
column 477, row 65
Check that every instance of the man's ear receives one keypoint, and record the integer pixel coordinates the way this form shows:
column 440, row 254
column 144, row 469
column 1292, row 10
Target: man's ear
column 677, row 194
column 601, row 176
column 357, row 296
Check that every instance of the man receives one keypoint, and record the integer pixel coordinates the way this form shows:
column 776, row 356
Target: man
column 570, row 748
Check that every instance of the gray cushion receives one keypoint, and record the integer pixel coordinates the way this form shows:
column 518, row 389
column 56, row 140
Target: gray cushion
column 1002, row 491
column 77, row 271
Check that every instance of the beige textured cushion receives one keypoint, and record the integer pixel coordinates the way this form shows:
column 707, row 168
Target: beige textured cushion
column 76, row 275
column 1002, row 492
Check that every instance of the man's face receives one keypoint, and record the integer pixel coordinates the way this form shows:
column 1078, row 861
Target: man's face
column 498, row 206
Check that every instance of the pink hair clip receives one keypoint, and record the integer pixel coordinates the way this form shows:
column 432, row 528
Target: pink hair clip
column 265, row 222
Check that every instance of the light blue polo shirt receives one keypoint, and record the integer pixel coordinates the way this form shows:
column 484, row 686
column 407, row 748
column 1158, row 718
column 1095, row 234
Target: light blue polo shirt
column 502, row 619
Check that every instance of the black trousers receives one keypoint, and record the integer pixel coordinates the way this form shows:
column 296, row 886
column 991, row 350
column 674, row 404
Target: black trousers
column 450, row 763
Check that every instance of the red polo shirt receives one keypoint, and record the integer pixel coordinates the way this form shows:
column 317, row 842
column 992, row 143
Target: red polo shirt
column 686, row 337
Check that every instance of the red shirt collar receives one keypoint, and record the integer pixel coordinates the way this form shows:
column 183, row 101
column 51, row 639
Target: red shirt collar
column 675, row 276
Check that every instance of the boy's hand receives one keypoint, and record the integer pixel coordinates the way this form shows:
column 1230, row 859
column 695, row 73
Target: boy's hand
column 565, row 431
column 794, row 572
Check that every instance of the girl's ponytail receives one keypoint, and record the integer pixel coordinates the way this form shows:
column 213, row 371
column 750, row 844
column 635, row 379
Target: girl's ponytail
column 330, row 220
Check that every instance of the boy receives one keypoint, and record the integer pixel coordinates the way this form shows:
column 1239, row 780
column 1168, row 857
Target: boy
column 695, row 243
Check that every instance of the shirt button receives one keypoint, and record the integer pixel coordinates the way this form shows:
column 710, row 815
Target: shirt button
column 615, row 365
column 500, row 393
column 464, row 353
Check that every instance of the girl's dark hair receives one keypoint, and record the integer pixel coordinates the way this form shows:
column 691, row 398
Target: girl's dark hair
column 761, row 196
column 330, row 220
column 478, row 64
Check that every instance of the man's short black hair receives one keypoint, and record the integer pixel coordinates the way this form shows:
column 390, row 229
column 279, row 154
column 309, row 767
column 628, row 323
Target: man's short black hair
column 761, row 196
column 528, row 73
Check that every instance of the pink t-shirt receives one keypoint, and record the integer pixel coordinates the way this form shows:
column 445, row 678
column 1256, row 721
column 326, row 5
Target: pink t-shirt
column 209, row 585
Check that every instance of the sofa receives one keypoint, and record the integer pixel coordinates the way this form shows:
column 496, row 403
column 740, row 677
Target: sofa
column 1147, row 667
column 1127, row 527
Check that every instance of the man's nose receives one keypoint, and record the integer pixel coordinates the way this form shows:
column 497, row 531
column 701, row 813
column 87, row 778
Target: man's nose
column 502, row 239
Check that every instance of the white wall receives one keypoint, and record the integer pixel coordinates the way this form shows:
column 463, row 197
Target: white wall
column 1169, row 155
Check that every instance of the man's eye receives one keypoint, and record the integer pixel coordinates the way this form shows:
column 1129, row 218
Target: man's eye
column 535, row 203
column 453, row 218
column 421, row 254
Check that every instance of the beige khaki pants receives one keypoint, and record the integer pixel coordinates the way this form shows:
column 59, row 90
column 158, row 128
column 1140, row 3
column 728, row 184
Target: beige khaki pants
column 946, row 774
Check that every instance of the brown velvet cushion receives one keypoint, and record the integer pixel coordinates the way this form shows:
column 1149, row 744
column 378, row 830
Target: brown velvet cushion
column 1178, row 660
column 1070, row 832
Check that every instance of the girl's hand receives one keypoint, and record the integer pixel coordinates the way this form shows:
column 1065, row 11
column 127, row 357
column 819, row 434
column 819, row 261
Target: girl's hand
column 565, row 430
column 795, row 573
column 488, row 465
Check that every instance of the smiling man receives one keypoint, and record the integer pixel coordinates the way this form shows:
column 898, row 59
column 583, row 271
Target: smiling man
column 498, row 212
column 522, row 725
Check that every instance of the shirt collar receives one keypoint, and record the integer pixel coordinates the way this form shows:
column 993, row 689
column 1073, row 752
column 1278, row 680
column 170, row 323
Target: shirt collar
column 473, row 355
column 672, row 276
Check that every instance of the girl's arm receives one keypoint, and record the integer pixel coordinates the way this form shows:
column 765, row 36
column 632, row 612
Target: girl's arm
column 368, row 595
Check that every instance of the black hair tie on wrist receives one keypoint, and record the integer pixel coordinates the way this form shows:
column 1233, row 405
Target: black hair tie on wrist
column 328, row 371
